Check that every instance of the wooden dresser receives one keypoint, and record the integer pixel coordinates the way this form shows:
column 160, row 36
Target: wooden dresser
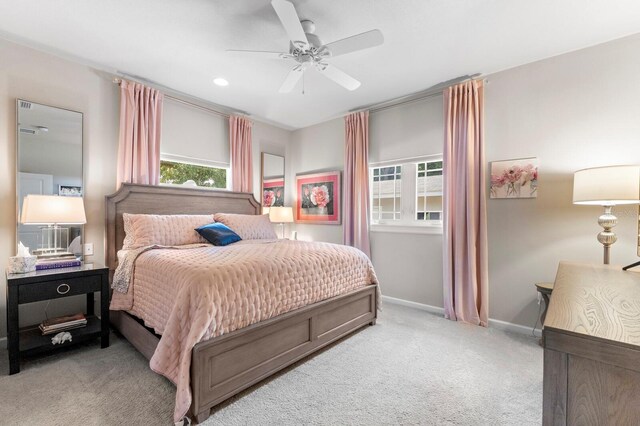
column 592, row 347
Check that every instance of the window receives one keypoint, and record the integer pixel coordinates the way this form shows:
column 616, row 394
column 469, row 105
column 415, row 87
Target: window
column 386, row 190
column 177, row 173
column 406, row 193
column 429, row 191
column 194, row 147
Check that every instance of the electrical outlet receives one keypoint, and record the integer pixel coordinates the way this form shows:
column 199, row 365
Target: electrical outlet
column 88, row 249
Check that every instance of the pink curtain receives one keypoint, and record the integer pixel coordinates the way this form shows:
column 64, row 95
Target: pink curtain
column 356, row 181
column 465, row 217
column 140, row 128
column 241, row 155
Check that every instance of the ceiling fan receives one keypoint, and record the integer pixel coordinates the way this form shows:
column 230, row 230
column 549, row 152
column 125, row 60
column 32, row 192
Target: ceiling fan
column 308, row 51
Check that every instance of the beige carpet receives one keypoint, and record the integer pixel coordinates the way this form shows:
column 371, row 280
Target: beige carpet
column 411, row 368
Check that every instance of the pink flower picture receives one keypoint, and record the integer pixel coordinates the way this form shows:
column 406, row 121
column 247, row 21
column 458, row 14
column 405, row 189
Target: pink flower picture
column 273, row 192
column 514, row 178
column 268, row 197
column 318, row 198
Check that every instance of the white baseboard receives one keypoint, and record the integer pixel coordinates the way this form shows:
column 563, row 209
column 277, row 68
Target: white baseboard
column 428, row 308
column 493, row 323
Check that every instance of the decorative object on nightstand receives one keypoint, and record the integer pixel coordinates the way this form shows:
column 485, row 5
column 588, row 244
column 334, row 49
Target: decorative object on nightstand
column 53, row 211
column 22, row 262
column 67, row 322
column 607, row 187
column 52, row 284
column 281, row 215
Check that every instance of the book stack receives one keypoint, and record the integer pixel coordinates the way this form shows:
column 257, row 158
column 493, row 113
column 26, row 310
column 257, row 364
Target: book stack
column 57, row 260
column 69, row 322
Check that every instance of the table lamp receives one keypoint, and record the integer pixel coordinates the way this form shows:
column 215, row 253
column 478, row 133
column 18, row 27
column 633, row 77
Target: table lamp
column 281, row 215
column 607, row 187
column 53, row 211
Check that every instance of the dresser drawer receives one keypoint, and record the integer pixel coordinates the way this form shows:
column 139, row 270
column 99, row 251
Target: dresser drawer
column 58, row 288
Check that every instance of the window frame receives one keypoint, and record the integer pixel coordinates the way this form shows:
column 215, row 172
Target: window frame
column 408, row 222
column 397, row 210
column 197, row 162
column 426, row 172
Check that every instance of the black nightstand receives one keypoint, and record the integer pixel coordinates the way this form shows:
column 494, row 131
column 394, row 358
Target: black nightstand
column 53, row 284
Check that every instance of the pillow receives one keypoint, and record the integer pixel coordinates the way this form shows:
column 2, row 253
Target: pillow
column 218, row 234
column 248, row 226
column 165, row 230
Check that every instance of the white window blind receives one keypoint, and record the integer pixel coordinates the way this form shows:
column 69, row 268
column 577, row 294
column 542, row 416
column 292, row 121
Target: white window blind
column 195, row 136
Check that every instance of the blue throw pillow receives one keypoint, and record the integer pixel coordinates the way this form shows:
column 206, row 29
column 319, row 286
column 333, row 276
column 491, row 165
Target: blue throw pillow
column 218, row 234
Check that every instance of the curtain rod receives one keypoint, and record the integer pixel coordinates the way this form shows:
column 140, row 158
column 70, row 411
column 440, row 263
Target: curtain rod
column 431, row 92
column 118, row 80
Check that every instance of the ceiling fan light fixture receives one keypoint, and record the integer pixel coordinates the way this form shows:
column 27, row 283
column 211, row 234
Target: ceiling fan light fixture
column 307, row 49
column 220, row 81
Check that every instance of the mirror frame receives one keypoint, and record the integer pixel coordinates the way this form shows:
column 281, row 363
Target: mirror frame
column 284, row 174
column 17, row 162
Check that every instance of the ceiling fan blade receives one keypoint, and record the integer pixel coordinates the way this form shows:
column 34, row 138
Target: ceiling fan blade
column 339, row 76
column 291, row 22
column 260, row 53
column 357, row 42
column 292, row 79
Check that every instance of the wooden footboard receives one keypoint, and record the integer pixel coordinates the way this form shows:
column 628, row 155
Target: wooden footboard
column 225, row 365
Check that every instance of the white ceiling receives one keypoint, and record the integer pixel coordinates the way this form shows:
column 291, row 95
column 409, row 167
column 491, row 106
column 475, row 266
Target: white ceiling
column 181, row 44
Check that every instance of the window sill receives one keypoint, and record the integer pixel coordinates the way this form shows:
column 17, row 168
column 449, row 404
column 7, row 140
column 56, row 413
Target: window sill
column 179, row 185
column 408, row 229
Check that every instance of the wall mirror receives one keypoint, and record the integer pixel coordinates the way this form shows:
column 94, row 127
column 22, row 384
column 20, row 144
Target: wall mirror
column 49, row 162
column 272, row 173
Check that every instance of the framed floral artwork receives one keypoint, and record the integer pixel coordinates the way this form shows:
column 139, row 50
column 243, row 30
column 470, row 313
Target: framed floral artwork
column 273, row 192
column 318, row 198
column 514, row 178
column 70, row 190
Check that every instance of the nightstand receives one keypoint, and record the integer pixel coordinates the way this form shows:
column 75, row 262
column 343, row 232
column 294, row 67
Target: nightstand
column 53, row 284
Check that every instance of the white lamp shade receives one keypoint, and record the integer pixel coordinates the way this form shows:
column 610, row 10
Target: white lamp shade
column 281, row 214
column 52, row 209
column 607, row 186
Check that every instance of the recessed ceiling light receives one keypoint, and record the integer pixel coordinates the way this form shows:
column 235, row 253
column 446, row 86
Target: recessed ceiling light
column 220, row 81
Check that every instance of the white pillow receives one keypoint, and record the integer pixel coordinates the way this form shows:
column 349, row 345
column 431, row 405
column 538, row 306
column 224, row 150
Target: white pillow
column 166, row 230
column 248, row 226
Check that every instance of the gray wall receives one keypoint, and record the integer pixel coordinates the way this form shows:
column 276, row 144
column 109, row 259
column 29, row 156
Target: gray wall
column 319, row 147
column 46, row 79
column 408, row 265
column 39, row 77
column 573, row 111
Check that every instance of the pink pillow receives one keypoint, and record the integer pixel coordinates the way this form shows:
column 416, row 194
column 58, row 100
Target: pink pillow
column 248, row 226
column 166, row 230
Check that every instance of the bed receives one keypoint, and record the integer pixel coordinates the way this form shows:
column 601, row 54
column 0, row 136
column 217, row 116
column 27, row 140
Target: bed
column 226, row 364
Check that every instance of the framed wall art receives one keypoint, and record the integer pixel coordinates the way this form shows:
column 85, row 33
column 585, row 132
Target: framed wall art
column 319, row 198
column 70, row 190
column 516, row 178
column 273, row 192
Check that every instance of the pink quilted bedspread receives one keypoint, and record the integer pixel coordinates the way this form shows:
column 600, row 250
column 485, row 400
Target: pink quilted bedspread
column 195, row 294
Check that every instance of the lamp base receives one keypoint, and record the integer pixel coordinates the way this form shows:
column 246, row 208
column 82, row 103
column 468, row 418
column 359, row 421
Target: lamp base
column 607, row 237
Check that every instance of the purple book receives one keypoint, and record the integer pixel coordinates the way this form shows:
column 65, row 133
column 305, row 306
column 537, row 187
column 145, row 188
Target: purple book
column 61, row 264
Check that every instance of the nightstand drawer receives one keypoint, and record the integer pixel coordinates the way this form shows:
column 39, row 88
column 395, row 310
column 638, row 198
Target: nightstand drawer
column 58, row 288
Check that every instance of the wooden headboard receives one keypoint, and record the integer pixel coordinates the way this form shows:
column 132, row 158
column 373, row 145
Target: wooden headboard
column 150, row 199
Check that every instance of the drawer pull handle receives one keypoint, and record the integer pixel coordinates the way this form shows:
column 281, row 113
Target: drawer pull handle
column 63, row 288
